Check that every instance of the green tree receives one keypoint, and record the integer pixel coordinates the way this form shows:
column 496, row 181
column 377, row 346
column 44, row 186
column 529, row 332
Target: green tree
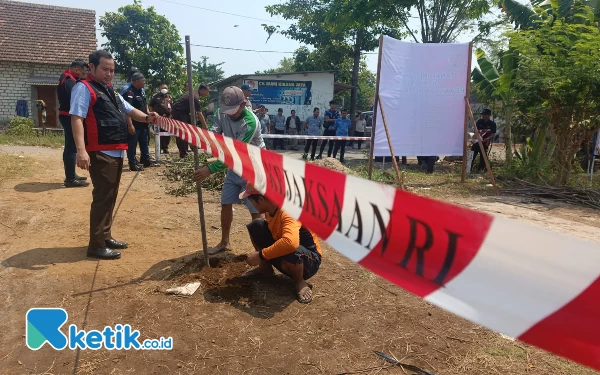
column 142, row 38
column 205, row 72
column 443, row 20
column 352, row 26
column 540, row 12
column 559, row 78
column 286, row 65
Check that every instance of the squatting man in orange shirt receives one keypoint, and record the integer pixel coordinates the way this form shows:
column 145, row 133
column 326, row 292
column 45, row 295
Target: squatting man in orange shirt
column 282, row 242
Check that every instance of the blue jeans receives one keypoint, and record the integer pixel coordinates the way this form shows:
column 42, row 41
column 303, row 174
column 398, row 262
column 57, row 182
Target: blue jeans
column 141, row 137
column 70, row 151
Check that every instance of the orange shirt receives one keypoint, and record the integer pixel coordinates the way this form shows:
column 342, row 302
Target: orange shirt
column 288, row 234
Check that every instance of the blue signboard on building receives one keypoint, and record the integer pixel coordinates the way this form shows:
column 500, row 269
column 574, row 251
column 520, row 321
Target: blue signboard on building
column 280, row 92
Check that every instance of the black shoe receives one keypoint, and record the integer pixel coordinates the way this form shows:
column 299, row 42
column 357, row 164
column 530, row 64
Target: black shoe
column 114, row 244
column 103, row 253
column 319, row 157
column 136, row 168
column 76, row 183
column 150, row 164
column 80, row 178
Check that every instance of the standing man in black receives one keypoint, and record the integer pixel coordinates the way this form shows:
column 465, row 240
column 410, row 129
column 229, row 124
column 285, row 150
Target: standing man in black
column 292, row 125
column 100, row 133
column 487, row 131
column 68, row 79
column 181, row 111
column 331, row 115
column 161, row 103
column 138, row 131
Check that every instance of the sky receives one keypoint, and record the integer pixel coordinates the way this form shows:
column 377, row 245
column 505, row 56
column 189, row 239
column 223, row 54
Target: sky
column 212, row 28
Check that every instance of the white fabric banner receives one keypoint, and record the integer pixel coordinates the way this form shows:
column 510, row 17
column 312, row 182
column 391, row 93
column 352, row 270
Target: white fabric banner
column 422, row 88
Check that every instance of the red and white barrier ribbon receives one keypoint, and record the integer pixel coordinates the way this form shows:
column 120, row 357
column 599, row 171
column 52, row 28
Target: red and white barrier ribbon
column 526, row 282
column 318, row 137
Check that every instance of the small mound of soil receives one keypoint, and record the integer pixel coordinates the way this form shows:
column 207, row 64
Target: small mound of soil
column 220, row 271
column 334, row 164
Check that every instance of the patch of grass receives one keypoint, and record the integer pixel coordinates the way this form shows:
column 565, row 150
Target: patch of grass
column 12, row 166
column 48, row 140
column 443, row 183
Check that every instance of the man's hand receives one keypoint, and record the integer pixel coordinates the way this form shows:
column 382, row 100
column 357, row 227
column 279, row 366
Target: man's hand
column 131, row 129
column 253, row 260
column 152, row 116
column 201, row 174
column 83, row 160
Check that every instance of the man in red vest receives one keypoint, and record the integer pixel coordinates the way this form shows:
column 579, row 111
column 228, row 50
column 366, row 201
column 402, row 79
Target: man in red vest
column 68, row 79
column 100, row 133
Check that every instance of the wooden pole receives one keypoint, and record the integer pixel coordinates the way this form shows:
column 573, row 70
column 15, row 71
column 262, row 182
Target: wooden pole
column 387, row 133
column 372, row 146
column 468, row 92
column 190, row 81
column 483, row 153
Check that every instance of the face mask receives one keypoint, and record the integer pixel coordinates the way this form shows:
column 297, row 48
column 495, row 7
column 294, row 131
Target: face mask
column 164, row 91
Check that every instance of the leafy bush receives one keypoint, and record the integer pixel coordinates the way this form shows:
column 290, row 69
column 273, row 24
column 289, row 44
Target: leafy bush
column 20, row 126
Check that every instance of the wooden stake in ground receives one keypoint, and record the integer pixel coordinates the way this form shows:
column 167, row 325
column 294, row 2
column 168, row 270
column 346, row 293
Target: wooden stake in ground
column 372, row 142
column 463, row 176
column 387, row 133
column 190, row 81
column 483, row 153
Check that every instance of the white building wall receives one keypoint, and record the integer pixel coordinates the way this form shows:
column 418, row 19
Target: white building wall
column 322, row 92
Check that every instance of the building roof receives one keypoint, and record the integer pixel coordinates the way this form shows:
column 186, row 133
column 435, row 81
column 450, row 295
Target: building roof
column 236, row 77
column 45, row 33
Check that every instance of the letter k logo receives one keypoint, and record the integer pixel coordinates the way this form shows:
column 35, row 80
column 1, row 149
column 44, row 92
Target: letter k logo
column 44, row 325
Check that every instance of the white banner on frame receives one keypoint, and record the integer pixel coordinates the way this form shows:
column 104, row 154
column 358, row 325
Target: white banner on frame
column 422, row 88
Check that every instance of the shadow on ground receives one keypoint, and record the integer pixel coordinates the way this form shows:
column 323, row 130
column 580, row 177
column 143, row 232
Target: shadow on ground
column 42, row 258
column 38, row 187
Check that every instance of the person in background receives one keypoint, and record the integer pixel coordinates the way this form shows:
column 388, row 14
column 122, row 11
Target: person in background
column 292, row 125
column 161, row 103
column 234, row 120
column 487, row 131
column 264, row 120
column 342, row 125
column 67, row 80
column 282, row 242
column 360, row 128
column 138, row 131
column 247, row 90
column 181, row 111
column 127, row 86
column 279, row 125
column 313, row 124
column 331, row 115
column 100, row 148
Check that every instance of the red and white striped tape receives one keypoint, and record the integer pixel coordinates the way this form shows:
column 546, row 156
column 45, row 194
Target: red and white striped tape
column 526, row 282
column 318, row 137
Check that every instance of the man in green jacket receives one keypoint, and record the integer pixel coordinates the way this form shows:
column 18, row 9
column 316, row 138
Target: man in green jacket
column 233, row 119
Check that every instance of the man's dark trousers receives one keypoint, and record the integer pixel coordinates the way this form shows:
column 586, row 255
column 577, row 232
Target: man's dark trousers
column 324, row 143
column 313, row 143
column 477, row 150
column 341, row 147
column 105, row 172
column 279, row 141
column 70, row 151
column 140, row 136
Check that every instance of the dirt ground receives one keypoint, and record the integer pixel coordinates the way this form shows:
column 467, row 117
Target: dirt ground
column 230, row 326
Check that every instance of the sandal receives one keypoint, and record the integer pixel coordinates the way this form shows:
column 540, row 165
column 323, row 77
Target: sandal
column 302, row 295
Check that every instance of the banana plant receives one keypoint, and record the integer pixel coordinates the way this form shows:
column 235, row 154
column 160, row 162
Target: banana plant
column 532, row 16
column 498, row 86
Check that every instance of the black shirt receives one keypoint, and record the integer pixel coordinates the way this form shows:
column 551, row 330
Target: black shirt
column 289, row 120
column 138, row 101
column 161, row 104
column 182, row 106
column 486, row 125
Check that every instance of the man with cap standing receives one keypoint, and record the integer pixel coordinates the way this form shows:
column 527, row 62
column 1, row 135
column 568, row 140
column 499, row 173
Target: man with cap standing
column 67, row 80
column 487, row 131
column 100, row 133
column 233, row 119
column 138, row 131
